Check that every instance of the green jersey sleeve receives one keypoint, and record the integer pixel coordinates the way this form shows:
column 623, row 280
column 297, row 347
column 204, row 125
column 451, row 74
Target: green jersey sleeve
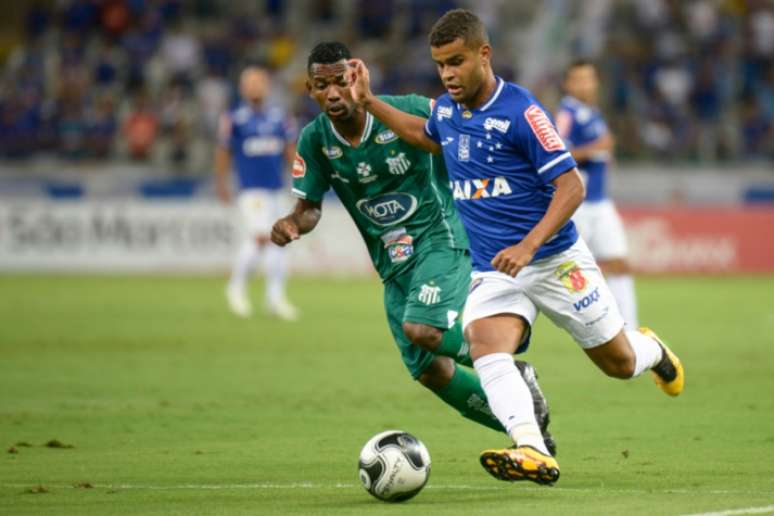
column 310, row 174
column 414, row 104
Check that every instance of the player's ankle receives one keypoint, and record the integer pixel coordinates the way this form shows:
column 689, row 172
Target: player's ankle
column 529, row 435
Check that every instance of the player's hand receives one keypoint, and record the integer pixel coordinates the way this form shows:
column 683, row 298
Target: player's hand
column 284, row 231
column 359, row 82
column 512, row 259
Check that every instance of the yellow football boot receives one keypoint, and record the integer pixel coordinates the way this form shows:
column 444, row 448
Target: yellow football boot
column 668, row 374
column 520, row 463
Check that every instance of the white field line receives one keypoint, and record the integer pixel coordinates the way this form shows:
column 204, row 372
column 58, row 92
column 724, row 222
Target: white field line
column 732, row 512
column 443, row 487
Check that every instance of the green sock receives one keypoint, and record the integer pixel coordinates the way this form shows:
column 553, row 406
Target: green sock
column 453, row 345
column 465, row 394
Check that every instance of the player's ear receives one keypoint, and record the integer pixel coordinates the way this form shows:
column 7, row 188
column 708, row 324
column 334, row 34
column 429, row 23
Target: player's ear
column 308, row 87
column 485, row 53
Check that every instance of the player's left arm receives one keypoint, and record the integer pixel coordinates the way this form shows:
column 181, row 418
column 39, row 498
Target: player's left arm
column 535, row 136
column 569, row 194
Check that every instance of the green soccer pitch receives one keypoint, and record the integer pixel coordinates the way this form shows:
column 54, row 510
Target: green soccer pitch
column 159, row 401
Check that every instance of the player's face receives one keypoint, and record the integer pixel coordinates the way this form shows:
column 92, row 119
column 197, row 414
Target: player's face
column 582, row 83
column 462, row 69
column 254, row 86
column 328, row 84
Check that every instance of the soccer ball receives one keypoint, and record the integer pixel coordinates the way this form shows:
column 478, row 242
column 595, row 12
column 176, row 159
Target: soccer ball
column 394, row 466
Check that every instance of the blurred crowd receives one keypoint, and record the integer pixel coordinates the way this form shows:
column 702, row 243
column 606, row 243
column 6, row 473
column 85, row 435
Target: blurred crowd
column 145, row 80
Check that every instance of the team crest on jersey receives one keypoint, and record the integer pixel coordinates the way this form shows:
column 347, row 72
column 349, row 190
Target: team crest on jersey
column 463, row 148
column 385, row 137
column 399, row 245
column 399, row 164
column 388, row 209
column 443, row 112
column 333, row 152
column 571, row 277
column 299, row 166
column 498, row 124
column 471, row 189
column 467, row 115
column 543, row 129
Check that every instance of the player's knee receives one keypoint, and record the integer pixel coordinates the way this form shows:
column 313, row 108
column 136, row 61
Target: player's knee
column 438, row 374
column 422, row 335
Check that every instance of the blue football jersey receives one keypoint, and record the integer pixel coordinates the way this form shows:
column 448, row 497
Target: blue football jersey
column 257, row 140
column 501, row 159
column 580, row 124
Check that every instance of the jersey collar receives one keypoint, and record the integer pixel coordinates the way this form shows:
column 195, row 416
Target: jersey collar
column 492, row 99
column 369, row 123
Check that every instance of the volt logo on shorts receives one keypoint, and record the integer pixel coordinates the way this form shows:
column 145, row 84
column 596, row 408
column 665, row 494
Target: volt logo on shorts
column 429, row 294
column 389, row 208
column 571, row 277
column 587, row 300
column 471, row 189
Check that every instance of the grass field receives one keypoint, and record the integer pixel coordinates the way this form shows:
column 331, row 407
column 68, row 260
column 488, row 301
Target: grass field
column 172, row 406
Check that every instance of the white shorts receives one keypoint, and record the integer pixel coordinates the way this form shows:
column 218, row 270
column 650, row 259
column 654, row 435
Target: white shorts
column 601, row 227
column 260, row 209
column 568, row 287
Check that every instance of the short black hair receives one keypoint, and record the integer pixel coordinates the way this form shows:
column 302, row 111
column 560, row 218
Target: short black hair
column 459, row 24
column 577, row 63
column 327, row 52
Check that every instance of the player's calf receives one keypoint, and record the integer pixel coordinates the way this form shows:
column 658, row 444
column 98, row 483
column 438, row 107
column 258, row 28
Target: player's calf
column 615, row 358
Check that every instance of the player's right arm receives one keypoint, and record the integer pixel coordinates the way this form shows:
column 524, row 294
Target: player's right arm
column 310, row 183
column 303, row 219
column 409, row 128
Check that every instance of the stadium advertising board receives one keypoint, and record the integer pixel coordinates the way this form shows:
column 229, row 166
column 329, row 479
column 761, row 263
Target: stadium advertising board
column 201, row 236
column 165, row 236
column 700, row 240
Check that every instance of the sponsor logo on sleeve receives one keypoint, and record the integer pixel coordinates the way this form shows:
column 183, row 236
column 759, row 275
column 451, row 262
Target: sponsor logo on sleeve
column 543, row 129
column 443, row 112
column 299, row 166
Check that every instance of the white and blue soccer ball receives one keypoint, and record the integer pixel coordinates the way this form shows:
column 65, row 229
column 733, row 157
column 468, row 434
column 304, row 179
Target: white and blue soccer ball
column 394, row 466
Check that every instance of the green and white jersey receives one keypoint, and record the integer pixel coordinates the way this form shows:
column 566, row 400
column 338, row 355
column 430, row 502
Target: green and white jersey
column 397, row 195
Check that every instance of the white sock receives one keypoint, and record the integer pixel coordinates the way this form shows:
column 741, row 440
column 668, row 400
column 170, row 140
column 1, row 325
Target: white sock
column 510, row 399
column 244, row 263
column 276, row 270
column 622, row 287
column 647, row 352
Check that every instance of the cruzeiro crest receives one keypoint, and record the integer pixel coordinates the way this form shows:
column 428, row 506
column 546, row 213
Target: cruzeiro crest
column 399, row 164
